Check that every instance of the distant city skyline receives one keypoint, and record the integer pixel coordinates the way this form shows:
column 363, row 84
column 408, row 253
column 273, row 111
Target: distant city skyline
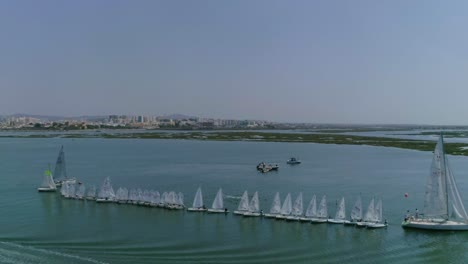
column 343, row 62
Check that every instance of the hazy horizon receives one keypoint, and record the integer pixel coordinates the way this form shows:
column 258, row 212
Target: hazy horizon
column 341, row 62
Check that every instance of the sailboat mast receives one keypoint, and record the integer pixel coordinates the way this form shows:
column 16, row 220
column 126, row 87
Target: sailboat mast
column 445, row 174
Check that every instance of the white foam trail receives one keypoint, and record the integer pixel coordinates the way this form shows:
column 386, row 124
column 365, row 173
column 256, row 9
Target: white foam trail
column 60, row 254
column 233, row 197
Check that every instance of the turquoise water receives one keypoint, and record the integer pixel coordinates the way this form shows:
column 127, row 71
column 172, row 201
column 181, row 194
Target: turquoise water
column 44, row 228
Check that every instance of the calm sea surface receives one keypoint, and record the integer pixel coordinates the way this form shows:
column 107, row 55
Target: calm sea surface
column 44, row 228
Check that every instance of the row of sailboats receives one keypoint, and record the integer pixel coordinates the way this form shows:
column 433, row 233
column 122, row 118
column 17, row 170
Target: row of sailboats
column 106, row 194
column 295, row 212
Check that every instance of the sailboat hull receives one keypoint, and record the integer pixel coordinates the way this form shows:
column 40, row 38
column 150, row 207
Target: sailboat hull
column 292, row 218
column 104, row 200
column 218, row 211
column 239, row 212
column 431, row 225
column 336, row 221
column 318, row 220
column 192, row 209
column 270, row 215
column 305, row 219
column 249, row 214
column 46, row 189
column 281, row 217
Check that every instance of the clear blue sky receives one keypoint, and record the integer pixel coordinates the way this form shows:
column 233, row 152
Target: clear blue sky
column 304, row 61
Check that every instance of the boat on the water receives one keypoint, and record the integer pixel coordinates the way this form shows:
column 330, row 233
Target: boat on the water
column 378, row 215
column 286, row 209
column 198, row 205
column 80, row 192
column 106, row 193
column 60, row 171
column 443, row 204
column 297, row 209
column 275, row 209
column 356, row 213
column 91, row 193
column 263, row 167
column 373, row 216
column 311, row 211
column 243, row 204
column 121, row 196
column 254, row 206
column 71, row 190
column 48, row 184
column 155, row 198
column 340, row 215
column 322, row 212
column 218, row 203
column 293, row 161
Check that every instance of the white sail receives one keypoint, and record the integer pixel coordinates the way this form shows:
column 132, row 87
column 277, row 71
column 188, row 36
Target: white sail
column 164, row 198
column 297, row 209
column 91, row 192
column 254, row 205
column 218, row 202
column 132, row 195
column 64, row 190
column 286, row 209
column 341, row 210
column 370, row 215
column 156, row 197
column 121, row 194
column 356, row 213
column 458, row 209
column 435, row 202
column 80, row 193
column 198, row 200
column 378, row 211
column 244, row 202
column 181, row 199
column 323, row 211
column 48, row 181
column 312, row 208
column 106, row 191
column 276, row 206
column 125, row 194
column 146, row 196
column 139, row 196
column 60, row 171
column 71, row 190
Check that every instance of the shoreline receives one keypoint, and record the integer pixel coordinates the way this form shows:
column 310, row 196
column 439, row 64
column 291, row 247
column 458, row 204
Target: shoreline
column 460, row 149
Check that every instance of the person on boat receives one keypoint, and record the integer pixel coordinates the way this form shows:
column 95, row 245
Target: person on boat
column 416, row 213
column 261, row 212
column 225, row 210
column 385, row 222
column 407, row 216
column 204, row 207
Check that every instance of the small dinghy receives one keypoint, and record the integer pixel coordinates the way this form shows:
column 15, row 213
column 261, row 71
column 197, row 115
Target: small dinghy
column 286, row 209
column 254, row 207
column 275, row 209
column 218, row 204
column 91, row 193
column 322, row 213
column 297, row 209
column 340, row 215
column 106, row 193
column 197, row 205
column 48, row 184
column 243, row 204
column 311, row 211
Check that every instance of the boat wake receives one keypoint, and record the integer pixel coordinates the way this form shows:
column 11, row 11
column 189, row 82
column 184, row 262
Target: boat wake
column 28, row 254
column 232, row 197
